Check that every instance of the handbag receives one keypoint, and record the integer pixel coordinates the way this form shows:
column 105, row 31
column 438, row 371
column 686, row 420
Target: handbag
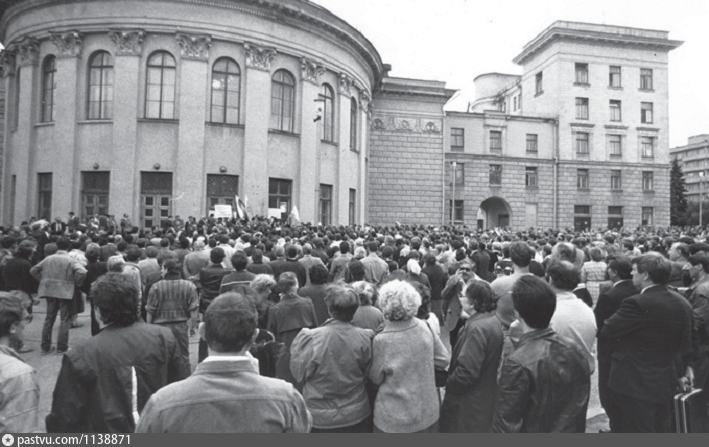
column 440, row 375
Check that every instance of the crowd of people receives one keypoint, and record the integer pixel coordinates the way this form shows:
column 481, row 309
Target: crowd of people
column 311, row 328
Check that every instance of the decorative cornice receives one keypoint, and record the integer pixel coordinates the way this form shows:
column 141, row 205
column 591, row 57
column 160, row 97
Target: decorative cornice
column 129, row 42
column 27, row 50
column 346, row 84
column 69, row 43
column 258, row 57
column 311, row 70
column 194, row 46
column 7, row 63
column 408, row 124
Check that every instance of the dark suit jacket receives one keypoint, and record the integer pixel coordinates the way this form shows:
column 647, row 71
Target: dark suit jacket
column 653, row 329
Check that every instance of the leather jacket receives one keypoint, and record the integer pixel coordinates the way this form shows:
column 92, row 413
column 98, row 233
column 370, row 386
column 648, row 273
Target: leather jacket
column 544, row 386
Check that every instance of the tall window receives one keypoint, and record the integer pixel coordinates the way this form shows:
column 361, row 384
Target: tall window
column 328, row 120
column 581, row 73
column 646, row 112
column 279, row 196
column 101, row 86
column 44, row 196
column 616, row 183
column 160, row 93
column 648, row 178
column 226, row 88
column 582, row 108
column 582, row 217
column 647, row 147
column 615, row 217
column 530, row 177
column 282, row 101
column 646, row 79
column 647, row 216
column 615, row 110
column 495, row 175
column 354, row 110
column 538, row 88
column 615, row 145
column 458, row 174
column 532, row 142
column 457, row 139
column 94, row 193
column 49, row 86
column 221, row 190
column 458, row 207
column 614, row 76
column 353, row 206
column 582, row 178
column 495, row 140
column 582, row 140
column 325, row 204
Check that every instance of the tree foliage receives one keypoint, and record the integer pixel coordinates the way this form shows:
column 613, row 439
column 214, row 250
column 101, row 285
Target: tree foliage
column 678, row 195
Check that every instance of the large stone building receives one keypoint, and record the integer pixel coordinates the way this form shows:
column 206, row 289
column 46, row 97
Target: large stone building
column 159, row 107
column 694, row 159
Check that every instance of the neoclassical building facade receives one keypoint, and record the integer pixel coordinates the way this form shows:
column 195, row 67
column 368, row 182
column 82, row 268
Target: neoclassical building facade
column 157, row 108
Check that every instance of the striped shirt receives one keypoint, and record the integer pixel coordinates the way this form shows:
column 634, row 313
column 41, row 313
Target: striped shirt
column 172, row 300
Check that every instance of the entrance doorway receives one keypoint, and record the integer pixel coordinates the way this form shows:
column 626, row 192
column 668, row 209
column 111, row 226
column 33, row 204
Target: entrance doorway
column 494, row 212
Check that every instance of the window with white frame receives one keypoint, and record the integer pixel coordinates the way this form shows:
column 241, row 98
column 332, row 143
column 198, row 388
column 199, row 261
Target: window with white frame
column 160, row 88
column 581, row 73
column 647, row 147
column 530, row 177
column 616, row 181
column 582, row 108
column 645, row 79
column 647, row 215
column 496, row 140
column 582, row 143
column 615, row 112
column 495, row 175
column 532, row 142
column 582, row 178
column 100, row 86
column 646, row 113
column 648, row 177
column 614, row 76
column 615, row 145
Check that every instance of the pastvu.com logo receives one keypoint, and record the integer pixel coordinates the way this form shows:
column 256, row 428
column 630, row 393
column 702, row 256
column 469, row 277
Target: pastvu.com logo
column 8, row 440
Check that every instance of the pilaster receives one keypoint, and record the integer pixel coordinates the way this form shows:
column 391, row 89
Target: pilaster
column 309, row 191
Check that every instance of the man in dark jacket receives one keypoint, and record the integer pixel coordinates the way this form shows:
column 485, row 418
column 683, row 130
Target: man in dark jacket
column 106, row 380
column 545, row 382
column 653, row 330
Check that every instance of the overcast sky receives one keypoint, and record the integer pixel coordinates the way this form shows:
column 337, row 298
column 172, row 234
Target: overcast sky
column 456, row 40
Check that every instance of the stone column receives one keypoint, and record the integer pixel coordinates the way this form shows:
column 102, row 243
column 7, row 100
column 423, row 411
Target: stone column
column 365, row 104
column 309, row 186
column 7, row 72
column 66, row 180
column 24, row 148
column 344, row 176
column 190, row 173
column 125, row 179
column 254, row 180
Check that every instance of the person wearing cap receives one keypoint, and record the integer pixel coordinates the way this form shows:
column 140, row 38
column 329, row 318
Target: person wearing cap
column 19, row 387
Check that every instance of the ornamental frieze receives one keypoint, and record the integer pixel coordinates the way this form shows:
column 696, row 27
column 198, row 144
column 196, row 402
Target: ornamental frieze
column 69, row 44
column 194, row 46
column 258, row 57
column 311, row 70
column 408, row 124
column 128, row 42
column 27, row 51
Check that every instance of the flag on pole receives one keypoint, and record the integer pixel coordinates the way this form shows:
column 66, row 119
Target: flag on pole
column 295, row 214
column 241, row 209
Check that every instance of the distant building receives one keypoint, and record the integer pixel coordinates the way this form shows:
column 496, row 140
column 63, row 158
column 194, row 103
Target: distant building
column 694, row 159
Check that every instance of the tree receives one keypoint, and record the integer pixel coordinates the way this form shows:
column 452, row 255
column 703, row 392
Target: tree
column 678, row 195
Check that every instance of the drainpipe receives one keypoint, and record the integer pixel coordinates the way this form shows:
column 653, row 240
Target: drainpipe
column 555, row 203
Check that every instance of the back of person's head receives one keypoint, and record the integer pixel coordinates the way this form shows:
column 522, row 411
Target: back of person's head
column 425, row 293
column 534, row 300
column 563, row 274
column 342, row 302
column 596, row 254
column 307, row 249
column 263, row 283
column 184, row 243
column 172, row 266
column 257, row 255
column 64, row 243
column 564, row 251
column 429, row 260
column 318, row 274
column 212, row 243
column 8, row 242
column 367, row 292
column 223, row 238
column 25, row 249
column 372, row 246
column 399, row 300
column 622, row 266
column 239, row 260
column 151, row 251
column 287, row 282
column 216, row 255
column 12, row 311
column 520, row 254
column 230, row 323
column 413, row 267
column 387, row 251
column 292, row 252
column 481, row 296
column 657, row 267
column 280, row 252
column 356, row 270
column 344, row 247
column 115, row 263
column 116, row 297
column 92, row 254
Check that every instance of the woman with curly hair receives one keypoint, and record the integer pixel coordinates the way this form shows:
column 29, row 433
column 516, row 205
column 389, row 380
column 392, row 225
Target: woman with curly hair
column 471, row 389
column 403, row 358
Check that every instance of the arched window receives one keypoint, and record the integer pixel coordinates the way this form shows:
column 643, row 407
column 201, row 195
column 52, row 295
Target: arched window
column 328, row 113
column 49, row 85
column 160, row 88
column 100, row 86
column 353, row 125
column 282, row 101
column 225, row 91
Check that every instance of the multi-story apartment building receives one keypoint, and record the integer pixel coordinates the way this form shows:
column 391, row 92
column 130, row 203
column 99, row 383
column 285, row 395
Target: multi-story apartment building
column 694, row 159
column 580, row 139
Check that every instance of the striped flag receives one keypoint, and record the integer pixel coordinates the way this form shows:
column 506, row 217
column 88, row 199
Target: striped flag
column 241, row 209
